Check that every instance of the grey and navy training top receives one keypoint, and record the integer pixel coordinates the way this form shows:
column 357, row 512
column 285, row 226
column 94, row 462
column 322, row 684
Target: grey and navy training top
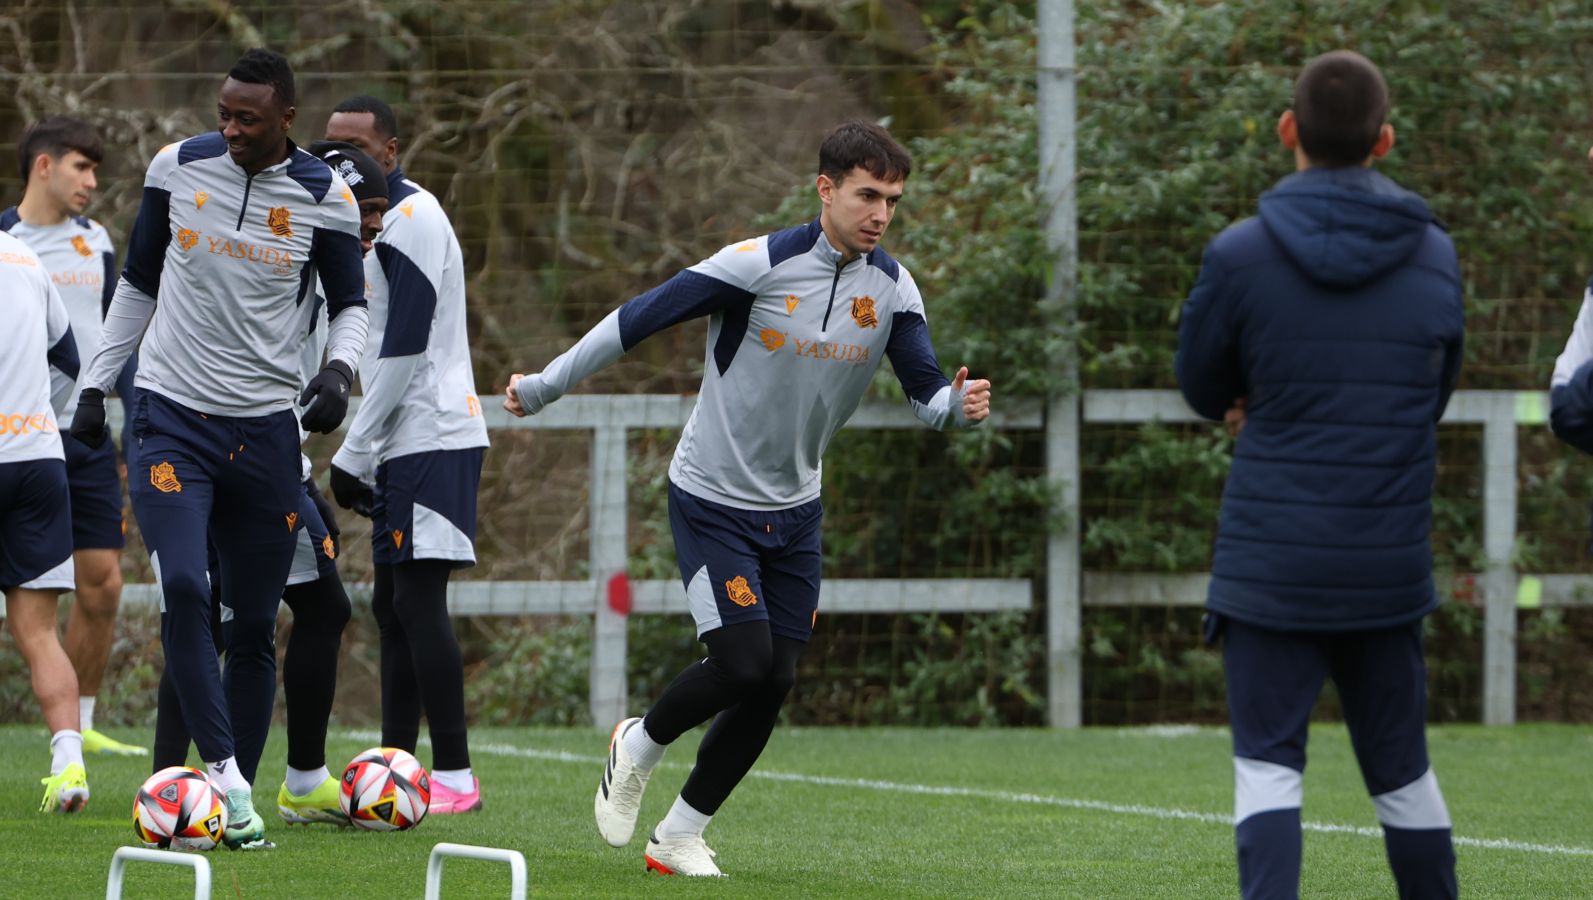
column 794, row 338
column 419, row 389
column 38, row 356
column 81, row 262
column 220, row 268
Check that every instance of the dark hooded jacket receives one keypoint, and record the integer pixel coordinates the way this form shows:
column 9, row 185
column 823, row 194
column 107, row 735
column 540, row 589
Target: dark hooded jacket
column 1337, row 315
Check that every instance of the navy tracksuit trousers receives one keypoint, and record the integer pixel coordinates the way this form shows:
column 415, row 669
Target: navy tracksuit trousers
column 233, row 481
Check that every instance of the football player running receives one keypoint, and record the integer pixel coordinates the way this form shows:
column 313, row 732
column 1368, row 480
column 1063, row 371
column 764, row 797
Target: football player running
column 799, row 321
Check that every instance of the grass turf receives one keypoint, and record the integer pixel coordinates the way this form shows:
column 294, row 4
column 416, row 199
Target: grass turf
column 861, row 813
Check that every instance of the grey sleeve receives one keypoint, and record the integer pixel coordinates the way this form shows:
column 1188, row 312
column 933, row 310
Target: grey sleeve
column 130, row 312
column 345, row 335
column 599, row 348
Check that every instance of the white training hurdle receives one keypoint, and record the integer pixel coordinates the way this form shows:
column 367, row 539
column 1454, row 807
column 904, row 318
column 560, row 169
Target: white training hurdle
column 125, row 855
column 444, row 850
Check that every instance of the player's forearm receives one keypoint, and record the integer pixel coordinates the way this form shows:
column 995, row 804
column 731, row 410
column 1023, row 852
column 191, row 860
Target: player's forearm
column 386, row 384
column 942, row 411
column 130, row 312
column 598, row 349
column 345, row 336
column 935, row 402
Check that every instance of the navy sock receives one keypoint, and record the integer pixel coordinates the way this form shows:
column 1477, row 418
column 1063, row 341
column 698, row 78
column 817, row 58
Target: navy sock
column 1269, row 855
column 1423, row 861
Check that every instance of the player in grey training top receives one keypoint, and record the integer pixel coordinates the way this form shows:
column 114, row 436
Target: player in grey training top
column 57, row 158
column 233, row 226
column 413, row 456
column 38, row 362
column 799, row 321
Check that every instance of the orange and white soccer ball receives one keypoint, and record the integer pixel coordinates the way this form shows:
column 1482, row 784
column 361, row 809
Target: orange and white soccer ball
column 385, row 789
column 179, row 809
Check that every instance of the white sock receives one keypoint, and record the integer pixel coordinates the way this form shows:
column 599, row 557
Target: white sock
column 644, row 751
column 66, row 748
column 303, row 781
column 457, row 780
column 682, row 821
column 85, row 713
column 226, row 775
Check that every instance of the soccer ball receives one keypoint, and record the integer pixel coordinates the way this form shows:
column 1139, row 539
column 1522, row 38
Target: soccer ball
column 179, row 809
column 385, row 789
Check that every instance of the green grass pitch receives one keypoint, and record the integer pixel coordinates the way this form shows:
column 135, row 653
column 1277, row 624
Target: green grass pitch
column 865, row 813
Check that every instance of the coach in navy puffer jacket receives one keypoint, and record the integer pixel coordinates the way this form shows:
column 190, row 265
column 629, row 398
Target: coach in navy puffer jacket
column 1336, row 317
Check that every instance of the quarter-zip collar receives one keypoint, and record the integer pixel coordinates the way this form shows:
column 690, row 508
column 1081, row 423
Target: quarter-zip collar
column 274, row 169
column 829, row 252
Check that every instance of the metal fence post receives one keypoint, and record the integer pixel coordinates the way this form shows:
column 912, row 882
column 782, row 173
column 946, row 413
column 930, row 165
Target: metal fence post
column 1056, row 112
column 1064, row 583
column 608, row 701
column 1499, row 538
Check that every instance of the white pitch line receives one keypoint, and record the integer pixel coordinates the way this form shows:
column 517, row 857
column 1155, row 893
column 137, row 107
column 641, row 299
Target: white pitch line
column 932, row 790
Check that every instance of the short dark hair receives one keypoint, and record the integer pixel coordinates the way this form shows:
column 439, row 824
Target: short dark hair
column 56, row 136
column 1340, row 105
column 262, row 66
column 867, row 145
column 386, row 122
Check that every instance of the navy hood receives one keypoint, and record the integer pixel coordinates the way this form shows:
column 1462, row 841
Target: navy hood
column 1344, row 227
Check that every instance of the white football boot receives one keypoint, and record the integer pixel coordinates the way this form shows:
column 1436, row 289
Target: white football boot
column 681, row 855
column 619, row 794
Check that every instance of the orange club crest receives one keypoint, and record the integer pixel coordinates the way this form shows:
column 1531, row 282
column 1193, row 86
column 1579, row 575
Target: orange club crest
column 187, row 238
column 280, row 221
column 328, row 547
column 863, row 312
column 164, row 478
column 772, row 340
column 81, row 246
column 739, row 592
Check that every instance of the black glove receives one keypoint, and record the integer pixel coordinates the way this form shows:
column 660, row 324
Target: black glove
column 324, row 509
column 88, row 423
column 352, row 493
column 325, row 399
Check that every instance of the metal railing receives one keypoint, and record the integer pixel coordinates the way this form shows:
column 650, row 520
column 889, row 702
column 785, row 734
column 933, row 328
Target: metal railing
column 1064, row 590
column 1500, row 413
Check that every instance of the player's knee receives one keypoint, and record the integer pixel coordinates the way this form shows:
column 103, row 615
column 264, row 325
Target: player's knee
column 779, row 683
column 744, row 672
column 322, row 604
column 254, row 625
column 183, row 587
column 338, row 608
column 29, row 631
column 96, row 567
column 99, row 594
column 331, row 614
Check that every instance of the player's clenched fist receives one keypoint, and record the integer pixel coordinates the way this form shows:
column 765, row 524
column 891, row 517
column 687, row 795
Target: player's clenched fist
column 522, row 396
column 512, row 401
column 975, row 395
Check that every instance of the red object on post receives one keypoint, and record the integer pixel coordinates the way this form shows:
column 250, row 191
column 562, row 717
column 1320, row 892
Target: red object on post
column 619, row 593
